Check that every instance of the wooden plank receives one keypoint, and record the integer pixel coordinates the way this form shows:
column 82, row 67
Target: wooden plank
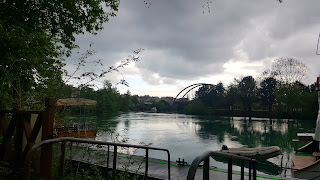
column 27, row 129
column 27, row 126
column 19, row 162
column 33, row 134
column 36, row 128
column 7, row 134
column 4, row 123
column 12, row 125
column 300, row 162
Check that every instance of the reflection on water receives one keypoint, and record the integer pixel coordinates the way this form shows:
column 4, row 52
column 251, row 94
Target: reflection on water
column 189, row 136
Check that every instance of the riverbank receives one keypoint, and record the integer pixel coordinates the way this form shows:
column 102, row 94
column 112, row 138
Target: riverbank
column 302, row 115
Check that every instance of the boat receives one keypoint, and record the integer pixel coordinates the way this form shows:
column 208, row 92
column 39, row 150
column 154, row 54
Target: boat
column 254, row 153
column 153, row 110
column 78, row 130
column 305, row 163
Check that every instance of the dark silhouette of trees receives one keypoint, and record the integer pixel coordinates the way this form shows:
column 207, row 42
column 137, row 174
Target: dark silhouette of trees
column 247, row 92
column 212, row 96
column 232, row 96
column 204, row 94
column 267, row 92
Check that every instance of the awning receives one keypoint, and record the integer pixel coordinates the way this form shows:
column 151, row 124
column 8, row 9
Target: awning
column 75, row 102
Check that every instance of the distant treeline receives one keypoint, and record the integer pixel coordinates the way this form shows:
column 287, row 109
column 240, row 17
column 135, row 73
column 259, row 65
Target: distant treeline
column 110, row 101
column 246, row 97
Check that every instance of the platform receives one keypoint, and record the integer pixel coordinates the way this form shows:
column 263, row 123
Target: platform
column 158, row 168
column 305, row 136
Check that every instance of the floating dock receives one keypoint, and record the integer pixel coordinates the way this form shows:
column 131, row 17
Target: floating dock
column 157, row 168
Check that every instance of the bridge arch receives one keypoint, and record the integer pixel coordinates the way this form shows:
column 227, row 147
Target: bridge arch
column 187, row 89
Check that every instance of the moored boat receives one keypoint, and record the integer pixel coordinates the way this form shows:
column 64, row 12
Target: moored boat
column 79, row 130
column 255, row 153
column 306, row 161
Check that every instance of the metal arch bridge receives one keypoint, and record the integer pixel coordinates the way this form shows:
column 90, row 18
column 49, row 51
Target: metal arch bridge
column 186, row 90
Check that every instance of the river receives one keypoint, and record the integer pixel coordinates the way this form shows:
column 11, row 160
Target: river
column 187, row 136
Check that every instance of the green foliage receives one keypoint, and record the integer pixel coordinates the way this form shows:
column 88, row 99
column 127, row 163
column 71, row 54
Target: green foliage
column 288, row 97
column 212, row 96
column 196, row 109
column 35, row 36
column 162, row 106
column 126, row 103
column 247, row 91
column 59, row 20
column 232, row 96
column 282, row 100
column 91, row 173
column 267, row 92
column 108, row 100
column 297, row 100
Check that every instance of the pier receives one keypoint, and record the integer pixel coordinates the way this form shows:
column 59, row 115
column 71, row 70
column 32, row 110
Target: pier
column 157, row 168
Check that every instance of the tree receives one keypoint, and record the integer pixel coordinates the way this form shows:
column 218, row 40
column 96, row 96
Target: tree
column 247, row 91
column 197, row 108
column 203, row 94
column 220, row 95
column 126, row 103
column 287, row 70
column 36, row 35
column 59, row 21
column 232, row 96
column 108, row 99
column 267, row 92
column 162, row 106
column 211, row 95
column 289, row 96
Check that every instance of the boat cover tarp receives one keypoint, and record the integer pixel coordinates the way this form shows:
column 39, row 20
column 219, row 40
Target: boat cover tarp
column 255, row 153
column 75, row 102
column 317, row 133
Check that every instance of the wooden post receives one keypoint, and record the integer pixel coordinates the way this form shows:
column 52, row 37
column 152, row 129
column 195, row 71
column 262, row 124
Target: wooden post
column 1, row 118
column 47, row 133
column 62, row 161
column 230, row 169
column 206, row 168
column 254, row 168
column 242, row 170
column 147, row 165
column 250, row 165
column 114, row 165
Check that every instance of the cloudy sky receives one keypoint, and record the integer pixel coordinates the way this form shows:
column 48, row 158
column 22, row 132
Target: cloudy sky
column 187, row 42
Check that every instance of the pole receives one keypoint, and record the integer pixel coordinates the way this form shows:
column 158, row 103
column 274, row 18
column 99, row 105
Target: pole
column 47, row 133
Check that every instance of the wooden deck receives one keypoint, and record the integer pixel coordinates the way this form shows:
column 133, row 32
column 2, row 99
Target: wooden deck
column 300, row 162
column 306, row 167
column 158, row 169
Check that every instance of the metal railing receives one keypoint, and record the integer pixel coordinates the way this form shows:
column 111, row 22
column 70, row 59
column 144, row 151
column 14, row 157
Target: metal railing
column 205, row 158
column 79, row 140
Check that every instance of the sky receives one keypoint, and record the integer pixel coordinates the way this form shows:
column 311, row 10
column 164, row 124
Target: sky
column 187, row 42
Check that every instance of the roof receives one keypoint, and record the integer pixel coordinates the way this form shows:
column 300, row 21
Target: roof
column 75, row 102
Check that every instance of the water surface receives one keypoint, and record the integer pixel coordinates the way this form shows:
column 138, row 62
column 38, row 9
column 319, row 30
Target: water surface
column 187, row 136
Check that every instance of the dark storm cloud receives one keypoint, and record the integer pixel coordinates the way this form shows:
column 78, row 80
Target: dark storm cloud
column 182, row 42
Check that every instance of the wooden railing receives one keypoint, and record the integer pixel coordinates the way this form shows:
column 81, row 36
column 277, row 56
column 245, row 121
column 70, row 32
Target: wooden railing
column 63, row 142
column 205, row 158
column 20, row 132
